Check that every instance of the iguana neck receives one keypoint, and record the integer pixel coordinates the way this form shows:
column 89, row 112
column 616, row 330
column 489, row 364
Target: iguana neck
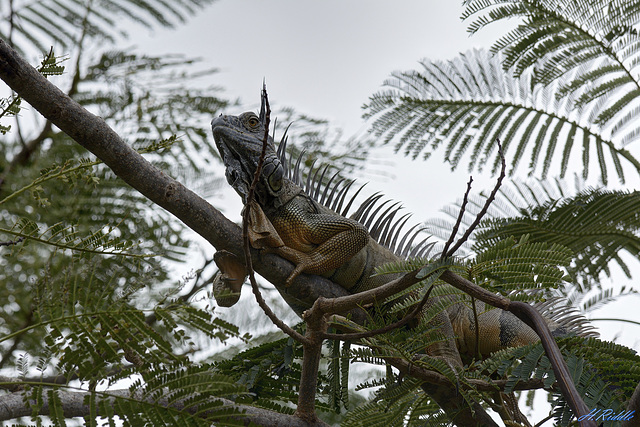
column 239, row 140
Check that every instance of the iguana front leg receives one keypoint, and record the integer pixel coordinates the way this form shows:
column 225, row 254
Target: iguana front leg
column 315, row 242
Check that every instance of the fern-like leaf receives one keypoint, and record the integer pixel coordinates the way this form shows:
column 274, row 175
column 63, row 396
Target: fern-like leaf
column 37, row 23
column 596, row 240
column 469, row 103
column 590, row 47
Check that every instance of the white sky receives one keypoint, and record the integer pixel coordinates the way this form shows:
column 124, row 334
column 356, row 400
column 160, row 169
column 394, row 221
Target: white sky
column 325, row 58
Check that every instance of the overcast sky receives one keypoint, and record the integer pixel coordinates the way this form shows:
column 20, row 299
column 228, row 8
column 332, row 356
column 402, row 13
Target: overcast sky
column 325, row 58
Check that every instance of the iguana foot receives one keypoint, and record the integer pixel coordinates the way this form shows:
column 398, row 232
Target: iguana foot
column 304, row 262
column 223, row 291
column 295, row 273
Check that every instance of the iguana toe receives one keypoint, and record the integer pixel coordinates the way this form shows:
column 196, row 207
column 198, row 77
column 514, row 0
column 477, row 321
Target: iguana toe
column 295, row 273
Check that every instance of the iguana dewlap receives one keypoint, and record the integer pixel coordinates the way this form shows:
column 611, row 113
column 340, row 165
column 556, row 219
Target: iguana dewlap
column 286, row 221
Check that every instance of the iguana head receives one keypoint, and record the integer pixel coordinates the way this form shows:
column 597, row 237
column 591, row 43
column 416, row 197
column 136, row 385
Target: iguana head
column 239, row 140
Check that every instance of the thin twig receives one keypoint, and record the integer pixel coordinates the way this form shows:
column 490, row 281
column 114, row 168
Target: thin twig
column 245, row 233
column 454, row 232
column 406, row 319
column 485, row 208
column 12, row 242
column 544, row 420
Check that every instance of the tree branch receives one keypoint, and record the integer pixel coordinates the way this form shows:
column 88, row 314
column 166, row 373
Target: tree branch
column 445, row 251
column 406, row 319
column 432, row 377
column 483, row 211
column 633, row 405
column 13, row 406
column 529, row 315
column 96, row 136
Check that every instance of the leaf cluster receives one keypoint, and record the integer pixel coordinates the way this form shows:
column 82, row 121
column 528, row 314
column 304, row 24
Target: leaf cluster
column 605, row 373
column 36, row 24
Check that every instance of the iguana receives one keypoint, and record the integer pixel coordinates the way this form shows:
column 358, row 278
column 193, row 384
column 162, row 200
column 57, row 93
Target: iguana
column 292, row 223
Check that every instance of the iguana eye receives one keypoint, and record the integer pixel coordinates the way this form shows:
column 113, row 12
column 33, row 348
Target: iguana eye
column 253, row 122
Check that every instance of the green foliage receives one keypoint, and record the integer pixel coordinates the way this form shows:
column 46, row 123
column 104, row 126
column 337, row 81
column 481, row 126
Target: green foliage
column 562, row 214
column 396, row 403
column 338, row 374
column 470, row 103
column 50, row 66
column 93, row 333
column 599, row 227
column 271, row 373
column 36, row 24
column 10, row 107
column 510, row 266
column 605, row 373
column 151, row 98
column 514, row 267
column 595, row 39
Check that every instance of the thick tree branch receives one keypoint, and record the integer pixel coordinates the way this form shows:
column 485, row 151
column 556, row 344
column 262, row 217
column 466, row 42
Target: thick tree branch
column 633, row 405
column 531, row 317
column 96, row 136
column 13, row 406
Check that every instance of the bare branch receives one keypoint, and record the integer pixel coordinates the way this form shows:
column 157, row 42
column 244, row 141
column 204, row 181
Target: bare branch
column 246, row 246
column 406, row 319
column 485, row 208
column 12, row 242
column 436, row 378
column 454, row 232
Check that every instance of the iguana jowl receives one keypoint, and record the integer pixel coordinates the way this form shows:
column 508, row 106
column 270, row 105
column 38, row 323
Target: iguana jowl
column 287, row 221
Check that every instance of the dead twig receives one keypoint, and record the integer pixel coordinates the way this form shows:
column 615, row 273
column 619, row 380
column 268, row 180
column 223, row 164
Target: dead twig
column 485, row 208
column 245, row 232
column 12, row 242
column 454, row 232
column 406, row 319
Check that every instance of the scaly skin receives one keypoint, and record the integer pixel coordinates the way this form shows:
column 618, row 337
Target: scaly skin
column 317, row 240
